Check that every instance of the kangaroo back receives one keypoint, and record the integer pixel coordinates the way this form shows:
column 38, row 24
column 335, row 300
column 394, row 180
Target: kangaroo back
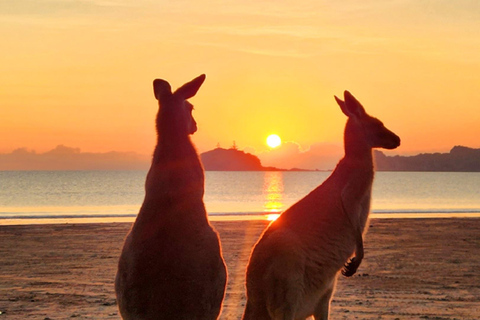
column 293, row 268
column 171, row 266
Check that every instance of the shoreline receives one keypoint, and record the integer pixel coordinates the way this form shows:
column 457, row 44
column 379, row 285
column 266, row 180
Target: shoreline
column 262, row 216
column 413, row 269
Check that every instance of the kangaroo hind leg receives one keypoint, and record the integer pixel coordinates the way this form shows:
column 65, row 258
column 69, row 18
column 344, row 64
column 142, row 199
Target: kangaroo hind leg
column 285, row 291
column 255, row 312
column 323, row 307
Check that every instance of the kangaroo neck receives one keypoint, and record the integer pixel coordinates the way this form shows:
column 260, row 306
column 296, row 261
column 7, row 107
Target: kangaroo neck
column 179, row 166
column 176, row 170
column 171, row 148
column 358, row 159
column 355, row 142
column 359, row 155
column 174, row 185
column 174, row 153
column 361, row 167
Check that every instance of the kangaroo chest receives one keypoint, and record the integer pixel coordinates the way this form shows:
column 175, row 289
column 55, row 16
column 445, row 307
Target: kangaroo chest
column 356, row 195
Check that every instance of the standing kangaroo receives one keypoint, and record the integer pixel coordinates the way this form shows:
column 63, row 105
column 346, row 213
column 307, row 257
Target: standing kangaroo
column 171, row 266
column 293, row 267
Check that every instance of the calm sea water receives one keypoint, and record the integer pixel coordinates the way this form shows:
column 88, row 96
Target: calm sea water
column 79, row 196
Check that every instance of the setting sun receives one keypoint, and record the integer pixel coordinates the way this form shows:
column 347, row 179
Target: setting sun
column 274, row 141
column 273, row 216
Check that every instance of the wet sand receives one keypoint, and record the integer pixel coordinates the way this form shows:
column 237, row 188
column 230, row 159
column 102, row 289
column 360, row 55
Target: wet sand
column 413, row 269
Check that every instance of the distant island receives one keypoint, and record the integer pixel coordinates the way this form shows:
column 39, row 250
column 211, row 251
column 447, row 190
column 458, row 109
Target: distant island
column 232, row 159
column 459, row 159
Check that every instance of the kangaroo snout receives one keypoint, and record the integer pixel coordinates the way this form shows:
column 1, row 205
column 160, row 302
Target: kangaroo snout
column 393, row 143
column 193, row 127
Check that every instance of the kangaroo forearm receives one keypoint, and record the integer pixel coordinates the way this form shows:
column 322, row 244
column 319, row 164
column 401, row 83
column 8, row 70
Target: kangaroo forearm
column 359, row 245
column 351, row 266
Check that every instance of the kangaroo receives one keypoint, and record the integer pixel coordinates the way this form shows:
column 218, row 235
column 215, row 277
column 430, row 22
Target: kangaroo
column 293, row 268
column 171, row 266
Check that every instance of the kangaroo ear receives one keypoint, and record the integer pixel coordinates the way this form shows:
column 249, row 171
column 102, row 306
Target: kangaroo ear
column 351, row 106
column 161, row 89
column 189, row 89
column 341, row 103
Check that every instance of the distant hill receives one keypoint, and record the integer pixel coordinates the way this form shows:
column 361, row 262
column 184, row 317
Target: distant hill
column 220, row 159
column 460, row 159
column 67, row 158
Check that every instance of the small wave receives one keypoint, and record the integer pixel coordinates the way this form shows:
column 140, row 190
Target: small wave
column 410, row 213
column 76, row 216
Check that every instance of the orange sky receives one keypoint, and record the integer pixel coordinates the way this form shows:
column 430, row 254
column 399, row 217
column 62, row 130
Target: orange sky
column 79, row 73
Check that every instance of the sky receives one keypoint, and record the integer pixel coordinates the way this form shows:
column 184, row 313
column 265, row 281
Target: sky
column 78, row 73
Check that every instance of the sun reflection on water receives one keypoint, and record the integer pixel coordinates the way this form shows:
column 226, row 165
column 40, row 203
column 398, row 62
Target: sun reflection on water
column 273, row 192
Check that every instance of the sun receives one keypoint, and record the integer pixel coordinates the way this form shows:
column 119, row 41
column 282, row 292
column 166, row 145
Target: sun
column 274, row 141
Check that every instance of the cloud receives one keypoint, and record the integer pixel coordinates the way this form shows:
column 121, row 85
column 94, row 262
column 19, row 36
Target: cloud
column 67, row 158
column 304, row 32
column 319, row 156
column 56, row 7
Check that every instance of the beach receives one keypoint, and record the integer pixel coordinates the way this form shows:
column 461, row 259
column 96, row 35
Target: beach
column 413, row 269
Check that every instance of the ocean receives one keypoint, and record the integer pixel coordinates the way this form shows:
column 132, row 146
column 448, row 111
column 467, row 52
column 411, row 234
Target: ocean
column 31, row 197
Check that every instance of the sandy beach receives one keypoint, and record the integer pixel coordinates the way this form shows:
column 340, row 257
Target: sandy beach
column 413, row 269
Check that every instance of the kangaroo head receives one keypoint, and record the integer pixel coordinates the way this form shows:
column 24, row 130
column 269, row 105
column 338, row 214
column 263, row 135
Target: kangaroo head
column 175, row 111
column 362, row 127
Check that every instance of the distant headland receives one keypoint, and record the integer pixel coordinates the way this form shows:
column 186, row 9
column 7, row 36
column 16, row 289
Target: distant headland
column 232, row 159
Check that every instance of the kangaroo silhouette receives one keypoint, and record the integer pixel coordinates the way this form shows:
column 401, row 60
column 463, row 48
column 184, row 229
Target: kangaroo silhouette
column 171, row 266
column 293, row 268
